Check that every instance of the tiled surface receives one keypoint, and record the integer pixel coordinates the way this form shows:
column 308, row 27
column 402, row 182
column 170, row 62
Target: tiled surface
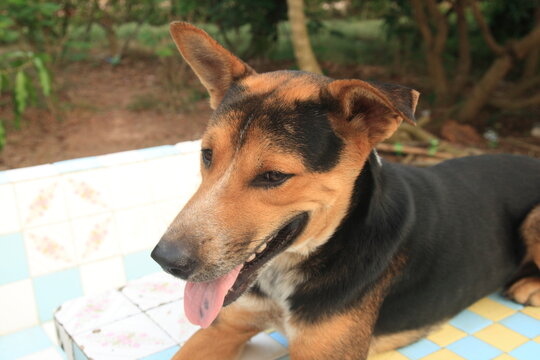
column 82, row 226
column 143, row 320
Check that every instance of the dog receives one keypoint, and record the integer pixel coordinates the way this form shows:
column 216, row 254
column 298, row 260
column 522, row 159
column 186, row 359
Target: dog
column 299, row 226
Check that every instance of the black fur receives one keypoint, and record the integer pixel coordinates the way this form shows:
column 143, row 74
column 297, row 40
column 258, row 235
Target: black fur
column 303, row 128
column 456, row 224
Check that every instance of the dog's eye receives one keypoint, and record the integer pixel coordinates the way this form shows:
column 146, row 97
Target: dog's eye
column 207, row 157
column 271, row 179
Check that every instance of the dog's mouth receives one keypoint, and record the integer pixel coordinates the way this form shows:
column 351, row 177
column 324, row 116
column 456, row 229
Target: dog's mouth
column 203, row 300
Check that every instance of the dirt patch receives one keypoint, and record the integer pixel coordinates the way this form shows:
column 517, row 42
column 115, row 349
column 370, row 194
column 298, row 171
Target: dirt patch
column 104, row 109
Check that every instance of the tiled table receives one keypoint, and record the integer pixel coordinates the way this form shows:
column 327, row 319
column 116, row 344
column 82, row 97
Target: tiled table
column 142, row 320
column 145, row 320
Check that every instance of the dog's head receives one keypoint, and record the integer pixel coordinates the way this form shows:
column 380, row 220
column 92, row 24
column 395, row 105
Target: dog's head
column 279, row 160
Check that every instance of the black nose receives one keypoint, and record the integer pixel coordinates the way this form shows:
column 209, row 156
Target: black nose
column 175, row 258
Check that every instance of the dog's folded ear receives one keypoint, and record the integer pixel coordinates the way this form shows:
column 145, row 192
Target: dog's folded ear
column 215, row 66
column 375, row 109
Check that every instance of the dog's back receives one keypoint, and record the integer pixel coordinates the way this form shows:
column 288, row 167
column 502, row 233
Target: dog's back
column 464, row 241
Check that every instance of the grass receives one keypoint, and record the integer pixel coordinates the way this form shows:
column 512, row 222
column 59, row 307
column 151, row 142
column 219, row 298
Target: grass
column 339, row 41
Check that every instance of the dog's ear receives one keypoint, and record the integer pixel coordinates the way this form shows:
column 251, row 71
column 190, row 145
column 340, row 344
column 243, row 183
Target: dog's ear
column 371, row 108
column 215, row 66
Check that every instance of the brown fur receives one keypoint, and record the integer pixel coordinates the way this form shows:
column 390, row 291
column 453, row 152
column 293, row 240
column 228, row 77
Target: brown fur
column 219, row 205
column 527, row 290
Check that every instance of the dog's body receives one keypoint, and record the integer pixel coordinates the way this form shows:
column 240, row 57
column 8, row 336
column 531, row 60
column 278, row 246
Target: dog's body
column 298, row 225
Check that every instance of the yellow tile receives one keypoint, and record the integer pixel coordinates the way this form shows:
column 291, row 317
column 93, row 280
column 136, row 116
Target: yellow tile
column 532, row 311
column 504, row 357
column 443, row 354
column 446, row 335
column 501, row 337
column 391, row 355
column 491, row 310
column 537, row 339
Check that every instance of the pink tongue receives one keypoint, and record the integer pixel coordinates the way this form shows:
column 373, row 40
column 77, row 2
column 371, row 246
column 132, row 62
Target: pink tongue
column 203, row 300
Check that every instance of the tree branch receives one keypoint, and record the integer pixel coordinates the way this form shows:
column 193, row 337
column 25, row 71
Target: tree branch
column 484, row 28
column 464, row 62
column 513, row 104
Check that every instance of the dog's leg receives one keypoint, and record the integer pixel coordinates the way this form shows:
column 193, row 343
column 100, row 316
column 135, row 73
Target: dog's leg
column 527, row 290
column 226, row 337
column 344, row 337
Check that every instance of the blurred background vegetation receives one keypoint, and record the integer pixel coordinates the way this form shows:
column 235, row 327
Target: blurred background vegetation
column 84, row 77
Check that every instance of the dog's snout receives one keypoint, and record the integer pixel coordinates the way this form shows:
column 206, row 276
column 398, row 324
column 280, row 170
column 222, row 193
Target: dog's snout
column 175, row 258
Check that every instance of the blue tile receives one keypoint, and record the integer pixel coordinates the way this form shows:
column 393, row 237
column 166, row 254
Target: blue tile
column 163, row 355
column 523, row 324
column 22, row 343
column 504, row 301
column 528, row 351
column 158, row 151
column 279, row 338
column 86, row 163
column 472, row 348
column 54, row 289
column 13, row 262
column 470, row 322
column 78, row 354
column 419, row 349
column 139, row 264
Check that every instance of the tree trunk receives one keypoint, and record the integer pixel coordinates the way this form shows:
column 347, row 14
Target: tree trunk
column 485, row 87
column 464, row 60
column 498, row 70
column 434, row 43
column 300, row 38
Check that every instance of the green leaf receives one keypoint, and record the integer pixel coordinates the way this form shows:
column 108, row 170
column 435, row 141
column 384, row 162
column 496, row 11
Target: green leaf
column 4, row 83
column 44, row 77
column 21, row 95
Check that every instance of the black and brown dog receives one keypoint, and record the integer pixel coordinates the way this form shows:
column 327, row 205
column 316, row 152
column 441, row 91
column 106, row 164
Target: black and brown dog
column 299, row 226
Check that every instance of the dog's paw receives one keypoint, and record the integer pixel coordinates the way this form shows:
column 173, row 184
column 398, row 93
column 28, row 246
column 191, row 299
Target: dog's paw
column 525, row 291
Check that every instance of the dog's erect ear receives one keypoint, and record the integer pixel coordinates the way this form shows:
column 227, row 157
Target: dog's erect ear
column 371, row 108
column 215, row 66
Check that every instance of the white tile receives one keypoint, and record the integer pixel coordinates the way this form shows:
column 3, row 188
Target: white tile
column 130, row 185
column 164, row 213
column 32, row 172
column 91, row 312
column 120, row 158
column 88, row 192
column 175, row 177
column 41, row 202
column 50, row 330
column 131, row 338
column 102, row 275
column 189, row 146
column 263, row 347
column 95, row 237
column 153, row 290
column 17, row 306
column 171, row 318
column 9, row 211
column 137, row 229
column 47, row 354
column 50, row 248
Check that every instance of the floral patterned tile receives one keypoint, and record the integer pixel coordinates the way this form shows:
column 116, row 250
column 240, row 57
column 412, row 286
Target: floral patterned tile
column 49, row 248
column 95, row 237
column 87, row 192
column 41, row 202
column 89, row 313
column 153, row 290
column 172, row 319
column 131, row 338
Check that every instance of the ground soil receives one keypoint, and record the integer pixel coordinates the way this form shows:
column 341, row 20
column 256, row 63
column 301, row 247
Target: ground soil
column 103, row 108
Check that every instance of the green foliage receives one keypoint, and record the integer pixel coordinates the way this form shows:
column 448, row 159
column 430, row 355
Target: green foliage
column 21, row 72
